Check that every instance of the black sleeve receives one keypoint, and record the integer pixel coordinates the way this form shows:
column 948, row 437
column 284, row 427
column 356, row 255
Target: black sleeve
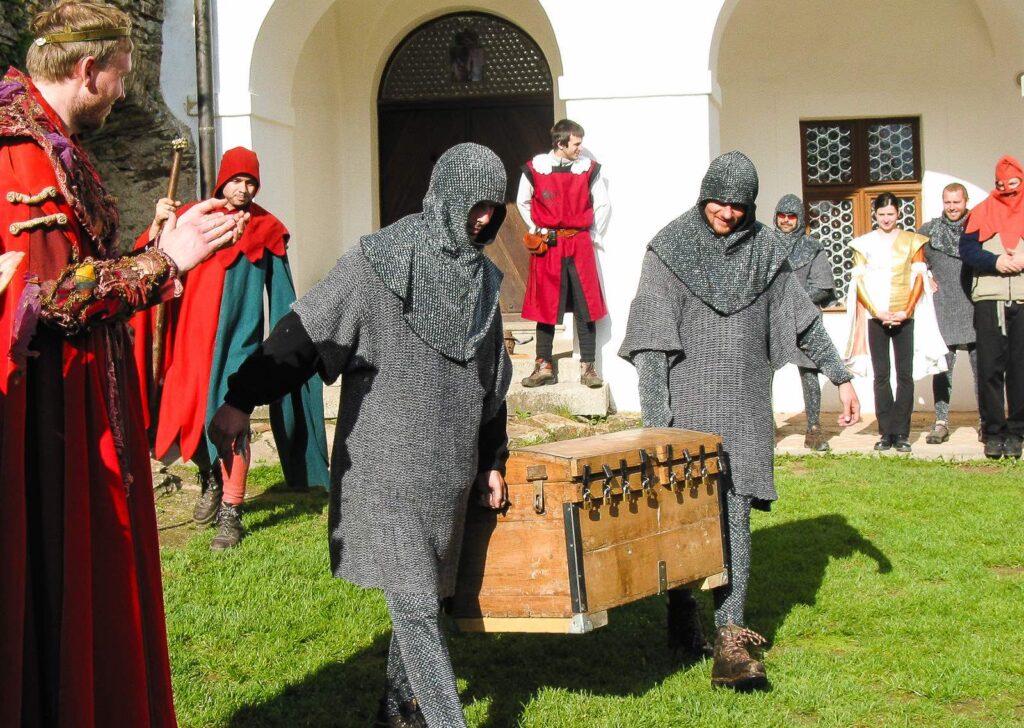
column 493, row 444
column 280, row 365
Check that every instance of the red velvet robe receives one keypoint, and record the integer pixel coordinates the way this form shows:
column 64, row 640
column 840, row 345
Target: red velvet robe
column 82, row 636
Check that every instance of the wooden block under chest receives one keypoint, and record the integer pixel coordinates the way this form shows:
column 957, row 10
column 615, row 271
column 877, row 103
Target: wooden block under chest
column 593, row 523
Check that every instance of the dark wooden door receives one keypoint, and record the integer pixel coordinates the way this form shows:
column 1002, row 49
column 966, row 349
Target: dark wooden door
column 411, row 140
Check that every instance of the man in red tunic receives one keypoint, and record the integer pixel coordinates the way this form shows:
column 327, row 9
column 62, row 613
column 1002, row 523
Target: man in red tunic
column 563, row 199
column 82, row 638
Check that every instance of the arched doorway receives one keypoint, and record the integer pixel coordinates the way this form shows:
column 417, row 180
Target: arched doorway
column 464, row 77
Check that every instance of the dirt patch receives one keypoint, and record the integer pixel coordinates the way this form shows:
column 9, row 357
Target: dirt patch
column 972, row 707
column 980, row 468
column 1006, row 570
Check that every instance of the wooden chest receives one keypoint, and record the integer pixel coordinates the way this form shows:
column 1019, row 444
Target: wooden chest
column 593, row 523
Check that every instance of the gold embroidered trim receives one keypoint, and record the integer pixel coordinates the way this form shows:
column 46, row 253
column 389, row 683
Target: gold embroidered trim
column 47, row 193
column 58, row 218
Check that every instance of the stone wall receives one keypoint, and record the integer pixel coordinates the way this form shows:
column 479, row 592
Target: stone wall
column 133, row 150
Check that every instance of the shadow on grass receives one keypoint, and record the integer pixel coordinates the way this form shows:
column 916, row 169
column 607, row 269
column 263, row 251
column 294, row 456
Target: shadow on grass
column 626, row 658
column 789, row 563
column 279, row 504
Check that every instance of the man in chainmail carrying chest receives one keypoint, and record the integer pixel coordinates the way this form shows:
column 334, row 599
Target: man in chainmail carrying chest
column 409, row 318
column 810, row 265
column 717, row 310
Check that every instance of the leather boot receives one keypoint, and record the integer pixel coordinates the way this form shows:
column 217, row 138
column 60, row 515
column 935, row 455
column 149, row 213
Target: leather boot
column 814, row 440
column 993, row 447
column 938, row 435
column 230, row 530
column 543, row 373
column 209, row 502
column 589, row 376
column 685, row 633
column 734, row 667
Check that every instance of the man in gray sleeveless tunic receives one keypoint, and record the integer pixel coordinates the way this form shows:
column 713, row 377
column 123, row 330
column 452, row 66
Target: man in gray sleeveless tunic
column 953, row 306
column 810, row 265
column 410, row 319
column 718, row 310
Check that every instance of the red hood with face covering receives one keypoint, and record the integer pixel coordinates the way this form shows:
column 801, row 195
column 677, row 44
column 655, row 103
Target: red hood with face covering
column 235, row 162
column 1003, row 211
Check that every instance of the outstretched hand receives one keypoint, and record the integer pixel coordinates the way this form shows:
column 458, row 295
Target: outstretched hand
column 851, row 405
column 200, row 232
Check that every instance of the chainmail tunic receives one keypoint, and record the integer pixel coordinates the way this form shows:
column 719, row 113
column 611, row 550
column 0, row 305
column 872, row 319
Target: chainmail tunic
column 720, row 369
column 405, row 453
column 809, row 262
column 953, row 306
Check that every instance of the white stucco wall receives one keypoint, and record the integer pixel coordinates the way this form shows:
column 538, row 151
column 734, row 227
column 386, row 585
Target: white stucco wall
column 661, row 86
column 822, row 59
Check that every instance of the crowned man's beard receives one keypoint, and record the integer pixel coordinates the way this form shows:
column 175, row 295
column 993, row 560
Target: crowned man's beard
column 88, row 117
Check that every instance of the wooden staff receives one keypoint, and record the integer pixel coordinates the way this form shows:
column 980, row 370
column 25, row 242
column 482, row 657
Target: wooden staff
column 178, row 146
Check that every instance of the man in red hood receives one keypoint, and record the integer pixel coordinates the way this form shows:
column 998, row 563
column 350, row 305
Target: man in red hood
column 209, row 332
column 991, row 246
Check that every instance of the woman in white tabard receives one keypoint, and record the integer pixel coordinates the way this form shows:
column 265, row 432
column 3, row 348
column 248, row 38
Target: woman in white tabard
column 889, row 271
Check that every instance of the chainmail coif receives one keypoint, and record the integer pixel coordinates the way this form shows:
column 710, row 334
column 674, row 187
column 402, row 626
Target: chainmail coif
column 727, row 272
column 944, row 234
column 447, row 285
column 804, row 246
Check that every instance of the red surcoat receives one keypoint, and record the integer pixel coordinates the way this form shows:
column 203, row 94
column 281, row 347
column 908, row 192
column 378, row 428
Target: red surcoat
column 82, row 636
column 562, row 200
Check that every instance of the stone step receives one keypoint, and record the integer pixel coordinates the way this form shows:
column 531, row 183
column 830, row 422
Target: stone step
column 562, row 397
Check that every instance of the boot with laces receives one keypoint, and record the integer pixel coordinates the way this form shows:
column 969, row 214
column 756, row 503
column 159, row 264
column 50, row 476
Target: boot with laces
column 229, row 527
column 212, row 492
column 589, row 376
column 734, row 667
column 409, row 716
column 543, row 373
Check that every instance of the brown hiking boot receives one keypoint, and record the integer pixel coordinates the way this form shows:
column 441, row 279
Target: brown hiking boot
column 814, row 440
column 938, row 435
column 543, row 373
column 734, row 667
column 230, row 530
column 209, row 502
column 685, row 631
column 589, row 376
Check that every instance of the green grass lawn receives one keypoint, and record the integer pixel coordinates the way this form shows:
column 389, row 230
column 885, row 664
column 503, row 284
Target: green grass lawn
column 892, row 591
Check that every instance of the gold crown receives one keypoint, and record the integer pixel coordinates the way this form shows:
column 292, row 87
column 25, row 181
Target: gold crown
column 84, row 35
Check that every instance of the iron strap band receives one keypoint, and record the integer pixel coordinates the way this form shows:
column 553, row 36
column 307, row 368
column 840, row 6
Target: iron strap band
column 84, row 35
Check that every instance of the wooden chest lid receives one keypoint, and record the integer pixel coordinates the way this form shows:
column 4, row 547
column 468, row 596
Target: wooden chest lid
column 566, row 459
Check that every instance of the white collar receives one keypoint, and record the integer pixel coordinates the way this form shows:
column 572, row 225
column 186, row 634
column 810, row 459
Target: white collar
column 544, row 163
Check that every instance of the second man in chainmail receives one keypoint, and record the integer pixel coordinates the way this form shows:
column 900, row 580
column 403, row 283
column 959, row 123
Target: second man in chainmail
column 810, row 265
column 411, row 439
column 717, row 311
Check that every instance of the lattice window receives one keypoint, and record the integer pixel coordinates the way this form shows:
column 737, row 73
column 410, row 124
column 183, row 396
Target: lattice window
column 846, row 164
column 891, row 152
column 829, row 154
column 831, row 222
column 466, row 55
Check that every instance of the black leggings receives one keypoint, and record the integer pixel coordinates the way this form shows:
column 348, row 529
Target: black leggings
column 893, row 414
column 586, row 330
